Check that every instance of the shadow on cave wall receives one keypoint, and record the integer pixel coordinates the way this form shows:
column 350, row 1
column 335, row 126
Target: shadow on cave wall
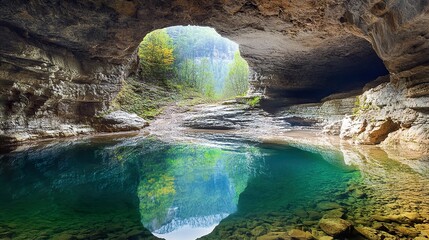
column 309, row 77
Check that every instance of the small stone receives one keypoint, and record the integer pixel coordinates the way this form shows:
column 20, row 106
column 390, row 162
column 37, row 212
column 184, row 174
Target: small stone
column 326, row 238
column 377, row 225
column 335, row 226
column 300, row 213
column 328, row 205
column 413, row 217
column 273, row 236
column 367, row 232
column 336, row 213
column 424, row 233
column 420, row 238
column 258, row 231
column 410, row 217
column 387, row 236
column 299, row 234
column 359, row 194
column 309, row 223
column 407, row 231
column 313, row 215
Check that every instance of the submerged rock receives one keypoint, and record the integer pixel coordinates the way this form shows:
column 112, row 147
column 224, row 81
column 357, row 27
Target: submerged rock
column 410, row 217
column 335, row 213
column 328, row 205
column 120, row 121
column 274, row 236
column 258, row 231
column 368, row 232
column 300, row 235
column 335, row 227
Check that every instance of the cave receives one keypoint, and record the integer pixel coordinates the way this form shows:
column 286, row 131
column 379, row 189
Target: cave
column 338, row 107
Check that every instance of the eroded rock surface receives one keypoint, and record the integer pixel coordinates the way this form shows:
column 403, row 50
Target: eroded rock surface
column 120, row 121
column 389, row 114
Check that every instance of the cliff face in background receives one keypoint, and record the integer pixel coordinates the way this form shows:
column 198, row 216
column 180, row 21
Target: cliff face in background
column 63, row 61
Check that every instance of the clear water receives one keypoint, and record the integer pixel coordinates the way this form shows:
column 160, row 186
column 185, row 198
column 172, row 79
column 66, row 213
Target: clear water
column 128, row 188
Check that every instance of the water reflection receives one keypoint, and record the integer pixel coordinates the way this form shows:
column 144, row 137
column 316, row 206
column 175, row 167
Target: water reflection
column 186, row 190
column 119, row 189
column 296, row 188
column 112, row 188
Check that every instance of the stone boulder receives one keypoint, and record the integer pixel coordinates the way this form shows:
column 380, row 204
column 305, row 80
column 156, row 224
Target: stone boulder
column 118, row 121
column 335, row 227
column 300, row 235
column 368, row 233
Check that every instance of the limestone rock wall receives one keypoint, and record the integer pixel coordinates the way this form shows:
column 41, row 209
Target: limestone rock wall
column 395, row 113
column 390, row 114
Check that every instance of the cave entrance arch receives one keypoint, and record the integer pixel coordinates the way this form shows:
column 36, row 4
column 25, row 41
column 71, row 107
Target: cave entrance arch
column 194, row 56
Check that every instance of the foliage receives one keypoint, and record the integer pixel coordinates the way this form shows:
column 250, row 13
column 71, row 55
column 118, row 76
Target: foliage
column 192, row 59
column 182, row 176
column 143, row 99
column 254, row 101
column 237, row 82
column 156, row 56
column 362, row 106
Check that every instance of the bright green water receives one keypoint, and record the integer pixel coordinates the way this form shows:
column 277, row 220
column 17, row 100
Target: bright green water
column 122, row 188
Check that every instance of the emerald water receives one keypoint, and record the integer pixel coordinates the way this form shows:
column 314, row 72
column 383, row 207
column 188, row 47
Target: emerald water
column 130, row 188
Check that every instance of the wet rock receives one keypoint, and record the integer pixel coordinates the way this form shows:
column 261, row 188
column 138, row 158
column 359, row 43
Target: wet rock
column 313, row 215
column 407, row 231
column 274, row 236
column 410, row 217
column 326, row 238
column 328, row 205
column 336, row 213
column 309, row 223
column 120, row 121
column 387, row 236
column 299, row 234
column 420, row 238
column 359, row 193
column 368, row 232
column 301, row 213
column 258, row 231
column 335, row 227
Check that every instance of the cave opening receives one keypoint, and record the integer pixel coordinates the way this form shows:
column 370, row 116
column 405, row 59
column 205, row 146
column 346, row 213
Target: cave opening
column 194, row 57
column 182, row 63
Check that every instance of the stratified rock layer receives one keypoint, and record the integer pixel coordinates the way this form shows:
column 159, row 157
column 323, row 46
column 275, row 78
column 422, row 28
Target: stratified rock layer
column 118, row 121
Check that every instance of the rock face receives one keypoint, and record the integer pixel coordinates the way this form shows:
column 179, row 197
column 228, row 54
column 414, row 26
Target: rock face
column 63, row 61
column 327, row 115
column 120, row 121
column 390, row 114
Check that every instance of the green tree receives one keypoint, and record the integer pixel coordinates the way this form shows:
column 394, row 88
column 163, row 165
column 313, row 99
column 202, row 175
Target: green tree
column 156, row 56
column 237, row 83
column 186, row 73
column 205, row 81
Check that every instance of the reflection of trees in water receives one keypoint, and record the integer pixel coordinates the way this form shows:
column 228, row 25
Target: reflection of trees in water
column 181, row 182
